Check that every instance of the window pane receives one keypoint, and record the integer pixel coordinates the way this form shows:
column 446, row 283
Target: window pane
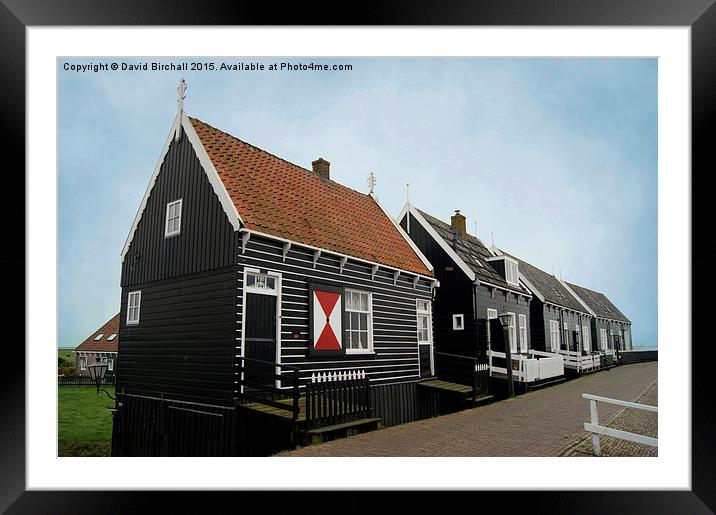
column 271, row 283
column 364, row 339
column 364, row 302
column 250, row 280
column 353, row 321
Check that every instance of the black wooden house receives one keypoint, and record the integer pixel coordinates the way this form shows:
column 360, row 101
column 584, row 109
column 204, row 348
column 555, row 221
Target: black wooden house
column 251, row 284
column 476, row 286
column 610, row 328
column 559, row 321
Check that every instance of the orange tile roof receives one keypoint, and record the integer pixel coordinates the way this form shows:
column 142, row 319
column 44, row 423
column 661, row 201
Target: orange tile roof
column 103, row 344
column 282, row 199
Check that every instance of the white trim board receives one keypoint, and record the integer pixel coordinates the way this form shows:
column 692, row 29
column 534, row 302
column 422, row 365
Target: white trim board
column 407, row 238
column 408, row 208
column 211, row 174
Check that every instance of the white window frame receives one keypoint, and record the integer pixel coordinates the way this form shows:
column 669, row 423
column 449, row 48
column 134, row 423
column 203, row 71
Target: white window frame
column 554, row 335
column 491, row 315
column 512, row 332
column 83, row 363
column 347, row 343
column 603, row 337
column 98, row 337
column 177, row 217
column 512, row 274
column 261, row 283
column 522, row 324
column 586, row 339
column 130, row 295
column 111, row 337
column 424, row 313
column 110, row 363
column 461, row 325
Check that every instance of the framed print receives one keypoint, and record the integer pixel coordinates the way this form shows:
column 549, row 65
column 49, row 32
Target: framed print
column 345, row 323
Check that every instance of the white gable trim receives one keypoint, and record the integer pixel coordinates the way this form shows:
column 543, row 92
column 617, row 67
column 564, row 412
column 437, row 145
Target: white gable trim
column 434, row 235
column 211, row 174
column 574, row 294
column 407, row 238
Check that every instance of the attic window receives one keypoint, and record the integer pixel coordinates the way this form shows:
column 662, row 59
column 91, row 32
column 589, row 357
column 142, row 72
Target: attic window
column 98, row 337
column 458, row 322
column 511, row 274
column 112, row 337
column 173, row 221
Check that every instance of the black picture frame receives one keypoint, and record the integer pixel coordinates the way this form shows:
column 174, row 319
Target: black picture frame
column 700, row 15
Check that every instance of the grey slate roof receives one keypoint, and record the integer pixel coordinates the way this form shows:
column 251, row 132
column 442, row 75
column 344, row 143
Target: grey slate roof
column 472, row 251
column 547, row 285
column 599, row 303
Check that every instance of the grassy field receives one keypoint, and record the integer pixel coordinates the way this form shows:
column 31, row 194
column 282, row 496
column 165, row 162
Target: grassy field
column 84, row 421
column 68, row 354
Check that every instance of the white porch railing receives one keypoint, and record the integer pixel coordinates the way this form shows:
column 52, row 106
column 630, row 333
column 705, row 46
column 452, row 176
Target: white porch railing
column 582, row 363
column 597, row 430
column 530, row 367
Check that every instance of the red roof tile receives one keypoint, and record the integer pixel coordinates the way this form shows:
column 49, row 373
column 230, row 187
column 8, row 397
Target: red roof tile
column 103, row 344
column 282, row 199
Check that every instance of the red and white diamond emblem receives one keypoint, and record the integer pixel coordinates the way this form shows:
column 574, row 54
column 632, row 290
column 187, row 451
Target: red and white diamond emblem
column 327, row 328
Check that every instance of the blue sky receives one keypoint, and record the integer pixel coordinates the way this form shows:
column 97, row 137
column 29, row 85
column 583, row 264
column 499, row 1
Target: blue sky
column 556, row 157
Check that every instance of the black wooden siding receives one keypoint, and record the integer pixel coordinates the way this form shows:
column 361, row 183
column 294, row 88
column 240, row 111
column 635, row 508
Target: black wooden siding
column 456, row 295
column 394, row 310
column 183, row 346
column 207, row 240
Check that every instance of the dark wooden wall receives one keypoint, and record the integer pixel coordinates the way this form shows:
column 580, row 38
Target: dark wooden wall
column 456, row 295
column 184, row 344
column 207, row 240
column 394, row 310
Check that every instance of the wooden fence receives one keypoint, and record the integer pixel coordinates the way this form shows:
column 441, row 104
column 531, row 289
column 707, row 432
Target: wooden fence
column 593, row 425
column 465, row 370
column 155, row 426
column 337, row 397
column 84, row 380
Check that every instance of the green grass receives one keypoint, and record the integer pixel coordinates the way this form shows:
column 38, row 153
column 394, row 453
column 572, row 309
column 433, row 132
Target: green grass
column 66, row 354
column 84, row 421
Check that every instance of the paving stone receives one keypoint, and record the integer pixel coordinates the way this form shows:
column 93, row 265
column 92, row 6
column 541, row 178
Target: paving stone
column 541, row 423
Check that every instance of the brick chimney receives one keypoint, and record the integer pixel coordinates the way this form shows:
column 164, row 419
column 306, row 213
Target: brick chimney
column 322, row 168
column 459, row 223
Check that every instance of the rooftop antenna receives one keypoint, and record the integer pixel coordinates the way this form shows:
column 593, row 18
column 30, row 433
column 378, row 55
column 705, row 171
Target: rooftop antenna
column 475, row 222
column 560, row 274
column 492, row 235
column 552, row 270
column 407, row 201
column 371, row 182
column 181, row 95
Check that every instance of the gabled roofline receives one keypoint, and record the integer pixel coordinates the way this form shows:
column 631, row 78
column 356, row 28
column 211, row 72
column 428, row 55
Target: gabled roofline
column 408, row 208
column 336, row 253
column 574, row 294
column 182, row 120
column 407, row 238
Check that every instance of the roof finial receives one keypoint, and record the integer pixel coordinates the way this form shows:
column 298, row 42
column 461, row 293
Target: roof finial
column 407, row 193
column 181, row 95
column 371, row 182
column 492, row 235
column 475, row 222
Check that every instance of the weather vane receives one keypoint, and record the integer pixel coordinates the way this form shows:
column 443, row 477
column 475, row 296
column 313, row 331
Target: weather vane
column 371, row 182
column 181, row 95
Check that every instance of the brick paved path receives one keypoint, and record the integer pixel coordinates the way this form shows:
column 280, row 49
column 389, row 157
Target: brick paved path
column 540, row 423
column 632, row 420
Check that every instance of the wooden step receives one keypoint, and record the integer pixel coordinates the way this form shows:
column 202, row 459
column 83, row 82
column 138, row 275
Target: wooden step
column 447, row 387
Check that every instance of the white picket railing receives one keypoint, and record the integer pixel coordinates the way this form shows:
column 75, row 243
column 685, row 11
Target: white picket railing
column 534, row 366
column 593, row 425
column 340, row 375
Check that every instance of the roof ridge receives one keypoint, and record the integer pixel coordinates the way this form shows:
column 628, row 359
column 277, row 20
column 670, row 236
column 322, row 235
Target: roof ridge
column 445, row 223
column 274, row 155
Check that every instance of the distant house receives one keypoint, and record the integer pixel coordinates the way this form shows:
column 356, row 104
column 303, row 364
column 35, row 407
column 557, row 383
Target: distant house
column 611, row 329
column 101, row 345
column 560, row 321
column 475, row 287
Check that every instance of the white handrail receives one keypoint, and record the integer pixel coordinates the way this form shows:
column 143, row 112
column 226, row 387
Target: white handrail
column 594, row 427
